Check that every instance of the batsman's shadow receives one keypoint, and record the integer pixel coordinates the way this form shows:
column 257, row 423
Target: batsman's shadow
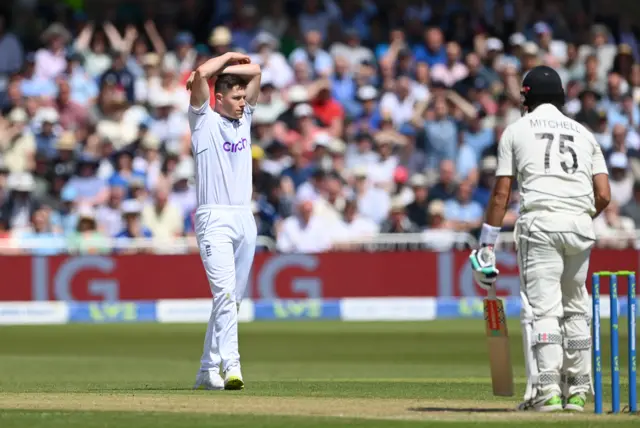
column 461, row 410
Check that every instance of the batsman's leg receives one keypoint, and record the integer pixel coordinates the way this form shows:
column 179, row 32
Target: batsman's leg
column 541, row 266
column 576, row 369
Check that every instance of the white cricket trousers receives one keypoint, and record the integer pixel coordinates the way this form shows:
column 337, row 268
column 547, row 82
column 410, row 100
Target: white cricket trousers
column 553, row 257
column 227, row 240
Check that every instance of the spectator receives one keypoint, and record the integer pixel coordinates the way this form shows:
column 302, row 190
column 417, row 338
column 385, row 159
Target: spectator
column 417, row 210
column 354, row 226
column 438, row 235
column 446, row 186
column 109, row 216
column 65, row 220
column 464, row 213
column 621, row 178
column 133, row 227
column 373, row 202
column 11, row 52
column 304, row 232
column 37, row 238
column 17, row 143
column 317, row 59
column 20, row 203
column 91, row 190
column 161, row 217
column 440, row 132
column 50, row 61
column 398, row 222
column 451, row 71
column 613, row 230
column 632, row 208
column 87, row 239
column 274, row 65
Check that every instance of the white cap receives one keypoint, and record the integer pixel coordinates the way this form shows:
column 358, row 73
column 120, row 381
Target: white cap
column 517, row 39
column 494, row 44
column 264, row 116
column 160, row 99
column 436, row 207
column 360, row 171
column 298, row 94
column 131, row 206
column 530, row 48
column 150, row 141
column 86, row 212
column 490, row 163
column 418, row 180
column 398, row 204
column 367, row 92
column 337, row 146
column 21, row 182
column 183, row 171
column 618, row 160
column 321, row 139
column 302, row 110
column 18, row 115
column 48, row 114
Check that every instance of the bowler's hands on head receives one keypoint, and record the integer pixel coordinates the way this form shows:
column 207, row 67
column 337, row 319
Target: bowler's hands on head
column 483, row 263
column 235, row 58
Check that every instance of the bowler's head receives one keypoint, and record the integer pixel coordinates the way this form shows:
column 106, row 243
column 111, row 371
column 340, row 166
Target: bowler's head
column 230, row 92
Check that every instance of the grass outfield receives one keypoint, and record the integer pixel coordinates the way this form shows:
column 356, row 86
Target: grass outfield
column 298, row 374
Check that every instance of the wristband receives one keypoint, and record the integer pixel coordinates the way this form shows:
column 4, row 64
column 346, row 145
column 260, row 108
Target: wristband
column 489, row 234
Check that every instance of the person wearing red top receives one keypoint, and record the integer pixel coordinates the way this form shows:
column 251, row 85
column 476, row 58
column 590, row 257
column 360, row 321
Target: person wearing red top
column 329, row 111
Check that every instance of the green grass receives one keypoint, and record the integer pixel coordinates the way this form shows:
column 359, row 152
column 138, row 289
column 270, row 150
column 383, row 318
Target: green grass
column 438, row 360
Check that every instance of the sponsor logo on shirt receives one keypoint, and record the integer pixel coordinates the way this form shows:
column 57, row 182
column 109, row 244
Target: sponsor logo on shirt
column 237, row 147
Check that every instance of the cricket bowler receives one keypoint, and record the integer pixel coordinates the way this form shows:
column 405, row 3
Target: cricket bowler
column 563, row 182
column 225, row 226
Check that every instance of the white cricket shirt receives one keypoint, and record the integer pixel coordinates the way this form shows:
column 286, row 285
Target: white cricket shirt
column 554, row 159
column 221, row 148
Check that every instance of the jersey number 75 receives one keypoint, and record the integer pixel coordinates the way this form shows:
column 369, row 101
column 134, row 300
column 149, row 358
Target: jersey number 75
column 562, row 148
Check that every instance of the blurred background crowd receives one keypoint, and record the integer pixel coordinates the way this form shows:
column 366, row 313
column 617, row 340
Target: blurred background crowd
column 376, row 118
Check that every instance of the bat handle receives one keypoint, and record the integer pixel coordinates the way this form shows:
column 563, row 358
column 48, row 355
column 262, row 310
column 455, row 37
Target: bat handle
column 491, row 293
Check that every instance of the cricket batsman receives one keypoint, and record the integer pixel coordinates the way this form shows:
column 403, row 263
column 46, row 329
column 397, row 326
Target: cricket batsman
column 225, row 226
column 563, row 182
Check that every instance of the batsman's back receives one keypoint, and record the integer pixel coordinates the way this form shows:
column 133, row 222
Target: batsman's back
column 555, row 159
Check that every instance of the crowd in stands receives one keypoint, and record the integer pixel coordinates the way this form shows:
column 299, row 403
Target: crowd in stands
column 374, row 117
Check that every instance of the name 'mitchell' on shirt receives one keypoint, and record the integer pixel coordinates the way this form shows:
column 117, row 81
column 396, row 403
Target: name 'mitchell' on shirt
column 222, row 151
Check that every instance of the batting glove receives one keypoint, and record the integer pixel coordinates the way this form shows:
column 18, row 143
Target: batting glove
column 483, row 263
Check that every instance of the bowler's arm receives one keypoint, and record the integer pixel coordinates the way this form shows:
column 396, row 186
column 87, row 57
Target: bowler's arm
column 253, row 73
column 198, row 82
column 499, row 200
column 601, row 187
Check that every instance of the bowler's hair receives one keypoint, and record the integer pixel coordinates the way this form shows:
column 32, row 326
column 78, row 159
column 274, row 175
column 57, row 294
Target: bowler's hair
column 226, row 82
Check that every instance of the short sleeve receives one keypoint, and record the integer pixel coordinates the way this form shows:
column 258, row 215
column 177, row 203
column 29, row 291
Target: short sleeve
column 506, row 161
column 599, row 163
column 248, row 112
column 199, row 116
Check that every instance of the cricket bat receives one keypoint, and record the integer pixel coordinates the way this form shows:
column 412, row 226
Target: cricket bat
column 498, row 341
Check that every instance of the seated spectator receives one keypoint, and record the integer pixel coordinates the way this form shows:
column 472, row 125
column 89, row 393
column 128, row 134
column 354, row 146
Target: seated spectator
column 621, row 179
column 360, row 152
column 398, row 222
column 613, row 230
column 65, row 220
column 446, row 186
column 464, row 213
column 486, row 180
column 304, row 232
column 38, row 239
column 20, row 203
column 632, row 208
column 87, row 239
column 453, row 70
column 439, row 235
column 124, row 172
column 373, row 202
column 90, row 189
column 133, row 229
column 354, row 227
column 17, row 143
column 183, row 194
column 161, row 217
column 417, row 210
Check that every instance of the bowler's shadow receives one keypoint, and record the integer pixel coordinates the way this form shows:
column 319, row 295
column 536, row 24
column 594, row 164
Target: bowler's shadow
column 460, row 410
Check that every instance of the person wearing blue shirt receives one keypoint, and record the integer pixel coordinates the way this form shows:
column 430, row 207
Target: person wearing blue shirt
column 465, row 213
column 133, row 228
column 476, row 137
column 432, row 51
column 441, row 135
column 40, row 241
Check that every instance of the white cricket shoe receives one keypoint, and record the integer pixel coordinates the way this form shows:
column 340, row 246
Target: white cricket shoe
column 233, row 379
column 209, row 380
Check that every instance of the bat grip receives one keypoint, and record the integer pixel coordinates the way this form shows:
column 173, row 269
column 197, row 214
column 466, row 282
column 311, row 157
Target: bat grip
column 491, row 293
